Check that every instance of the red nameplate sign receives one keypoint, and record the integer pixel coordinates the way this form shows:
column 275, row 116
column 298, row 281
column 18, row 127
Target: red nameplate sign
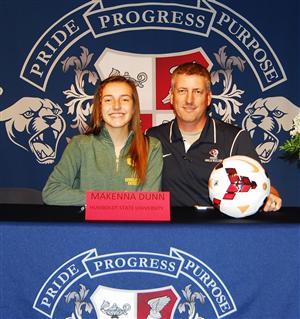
column 127, row 206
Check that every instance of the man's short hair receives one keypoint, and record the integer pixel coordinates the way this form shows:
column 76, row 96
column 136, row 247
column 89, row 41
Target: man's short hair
column 192, row 68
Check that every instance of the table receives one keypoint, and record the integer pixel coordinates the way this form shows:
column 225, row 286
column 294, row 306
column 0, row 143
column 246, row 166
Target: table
column 55, row 265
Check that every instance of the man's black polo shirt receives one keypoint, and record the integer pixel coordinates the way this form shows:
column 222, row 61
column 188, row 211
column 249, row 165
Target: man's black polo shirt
column 186, row 174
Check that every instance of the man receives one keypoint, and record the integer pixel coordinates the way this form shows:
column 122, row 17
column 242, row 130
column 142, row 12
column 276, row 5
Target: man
column 193, row 143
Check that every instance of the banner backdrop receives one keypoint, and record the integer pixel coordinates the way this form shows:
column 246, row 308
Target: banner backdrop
column 55, row 53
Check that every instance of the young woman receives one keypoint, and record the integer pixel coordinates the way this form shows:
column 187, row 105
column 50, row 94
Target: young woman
column 114, row 154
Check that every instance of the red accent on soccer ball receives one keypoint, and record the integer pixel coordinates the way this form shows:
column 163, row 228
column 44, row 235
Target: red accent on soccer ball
column 217, row 203
column 237, row 184
column 229, row 196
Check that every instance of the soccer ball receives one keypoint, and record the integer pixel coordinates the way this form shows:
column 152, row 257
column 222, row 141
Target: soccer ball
column 238, row 186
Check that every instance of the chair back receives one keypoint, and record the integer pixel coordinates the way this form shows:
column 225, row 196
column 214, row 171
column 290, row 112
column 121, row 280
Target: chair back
column 20, row 196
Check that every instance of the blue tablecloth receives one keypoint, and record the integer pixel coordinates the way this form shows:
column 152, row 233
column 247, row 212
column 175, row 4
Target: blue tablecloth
column 215, row 271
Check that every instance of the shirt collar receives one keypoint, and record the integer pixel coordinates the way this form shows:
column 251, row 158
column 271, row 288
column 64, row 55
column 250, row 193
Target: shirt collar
column 104, row 134
column 174, row 133
column 208, row 134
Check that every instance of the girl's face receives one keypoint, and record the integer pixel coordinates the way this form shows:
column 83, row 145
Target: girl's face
column 117, row 105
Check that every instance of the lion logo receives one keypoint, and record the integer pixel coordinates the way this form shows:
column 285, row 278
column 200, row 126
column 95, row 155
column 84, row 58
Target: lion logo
column 35, row 125
column 266, row 118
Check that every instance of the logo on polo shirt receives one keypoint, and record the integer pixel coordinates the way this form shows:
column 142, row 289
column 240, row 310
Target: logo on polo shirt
column 132, row 181
column 213, row 156
column 214, row 153
column 134, row 285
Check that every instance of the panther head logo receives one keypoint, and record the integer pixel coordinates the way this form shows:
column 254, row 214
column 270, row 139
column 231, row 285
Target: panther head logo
column 35, row 125
column 265, row 119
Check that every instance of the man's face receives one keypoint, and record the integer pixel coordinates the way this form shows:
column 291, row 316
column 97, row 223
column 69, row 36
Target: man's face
column 190, row 98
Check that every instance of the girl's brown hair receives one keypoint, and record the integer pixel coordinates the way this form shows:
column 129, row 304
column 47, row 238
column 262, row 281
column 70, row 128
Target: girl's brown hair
column 138, row 150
